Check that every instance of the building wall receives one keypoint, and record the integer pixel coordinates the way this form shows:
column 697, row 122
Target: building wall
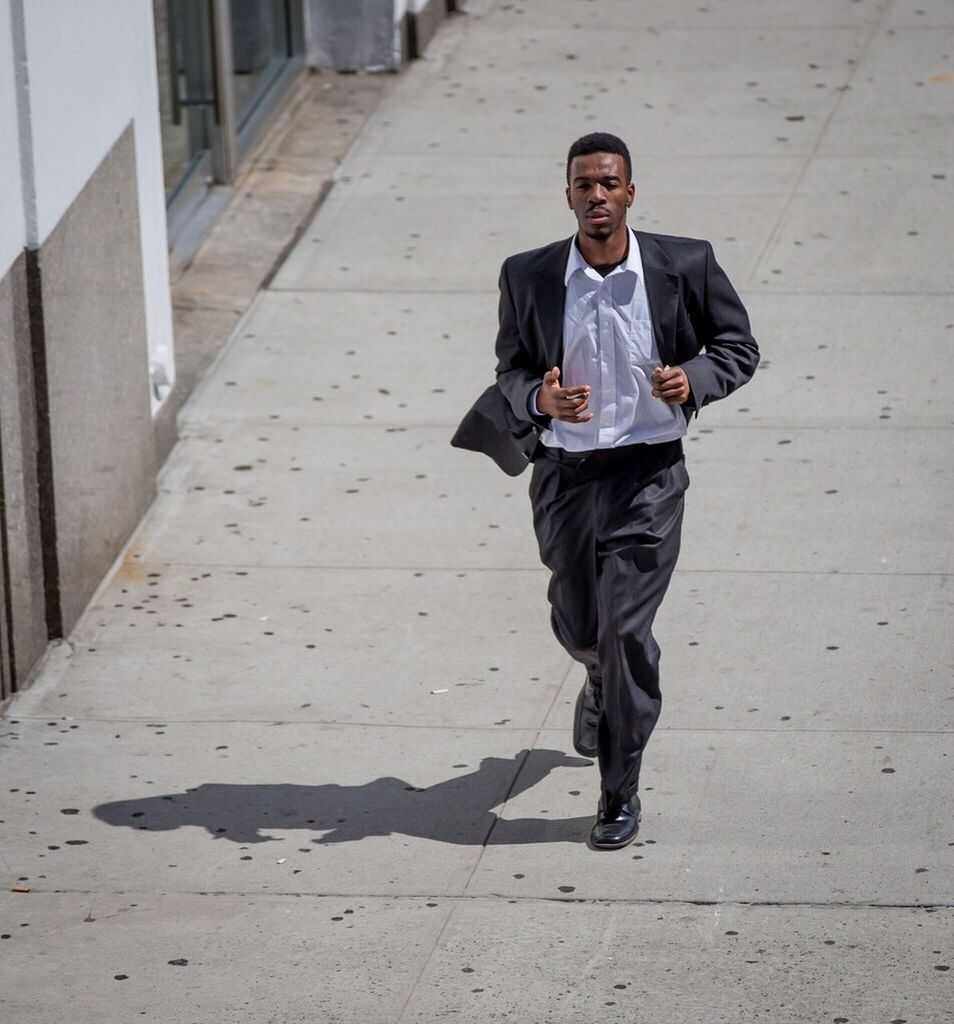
column 23, row 634
column 85, row 304
column 12, row 221
column 91, row 71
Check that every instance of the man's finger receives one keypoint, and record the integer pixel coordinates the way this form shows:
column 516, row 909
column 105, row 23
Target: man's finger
column 661, row 376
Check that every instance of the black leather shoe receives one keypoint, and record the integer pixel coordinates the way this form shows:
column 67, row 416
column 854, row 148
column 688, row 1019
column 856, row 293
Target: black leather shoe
column 616, row 826
column 586, row 718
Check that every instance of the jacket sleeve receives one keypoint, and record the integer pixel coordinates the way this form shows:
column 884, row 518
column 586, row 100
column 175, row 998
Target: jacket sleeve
column 730, row 353
column 517, row 376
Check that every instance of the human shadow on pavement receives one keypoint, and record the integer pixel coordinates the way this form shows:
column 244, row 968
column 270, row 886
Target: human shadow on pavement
column 457, row 810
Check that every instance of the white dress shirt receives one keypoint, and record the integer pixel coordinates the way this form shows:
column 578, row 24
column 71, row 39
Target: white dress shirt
column 608, row 343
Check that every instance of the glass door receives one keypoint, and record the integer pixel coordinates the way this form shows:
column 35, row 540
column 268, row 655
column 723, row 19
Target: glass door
column 187, row 91
column 261, row 39
column 223, row 69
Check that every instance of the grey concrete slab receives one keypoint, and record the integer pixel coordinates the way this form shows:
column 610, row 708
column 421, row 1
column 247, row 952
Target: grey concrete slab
column 919, row 14
column 818, row 500
column 186, row 958
column 840, row 360
column 340, row 357
column 689, row 14
column 829, row 241
column 670, row 93
column 743, row 816
column 328, row 498
column 526, row 176
column 319, row 502
column 564, row 963
column 901, row 100
column 407, row 242
column 416, row 224
column 403, row 647
column 256, row 808
column 525, row 46
column 768, row 651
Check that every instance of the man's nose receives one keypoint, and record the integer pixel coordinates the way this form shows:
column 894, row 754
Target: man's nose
column 598, row 195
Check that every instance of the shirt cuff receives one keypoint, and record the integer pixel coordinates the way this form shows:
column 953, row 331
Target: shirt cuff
column 532, row 407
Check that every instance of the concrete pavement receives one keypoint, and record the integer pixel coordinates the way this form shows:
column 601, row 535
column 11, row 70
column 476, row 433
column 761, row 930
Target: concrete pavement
column 307, row 755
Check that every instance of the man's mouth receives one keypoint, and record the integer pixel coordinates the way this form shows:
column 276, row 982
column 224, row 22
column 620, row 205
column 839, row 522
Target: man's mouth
column 598, row 216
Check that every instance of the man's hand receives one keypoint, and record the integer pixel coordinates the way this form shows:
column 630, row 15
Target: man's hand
column 671, row 384
column 566, row 404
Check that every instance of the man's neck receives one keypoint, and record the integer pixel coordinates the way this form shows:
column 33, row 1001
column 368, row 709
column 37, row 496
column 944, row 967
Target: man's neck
column 606, row 252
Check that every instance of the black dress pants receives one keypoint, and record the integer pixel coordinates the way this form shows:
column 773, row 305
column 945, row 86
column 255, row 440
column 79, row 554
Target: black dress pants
column 608, row 525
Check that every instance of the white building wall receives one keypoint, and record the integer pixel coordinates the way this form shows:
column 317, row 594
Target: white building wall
column 12, row 219
column 92, row 69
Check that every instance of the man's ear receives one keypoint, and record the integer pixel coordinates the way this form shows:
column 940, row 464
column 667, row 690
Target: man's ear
column 631, row 190
column 568, row 203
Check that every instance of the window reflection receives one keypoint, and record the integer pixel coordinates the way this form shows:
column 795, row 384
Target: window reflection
column 260, row 49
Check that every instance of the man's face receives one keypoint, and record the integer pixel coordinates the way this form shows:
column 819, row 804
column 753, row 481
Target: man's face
column 599, row 194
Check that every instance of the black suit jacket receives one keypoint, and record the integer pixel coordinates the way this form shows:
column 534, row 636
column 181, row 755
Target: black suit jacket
column 699, row 323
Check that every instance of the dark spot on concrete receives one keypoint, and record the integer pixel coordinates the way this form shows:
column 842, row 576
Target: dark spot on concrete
column 181, row 962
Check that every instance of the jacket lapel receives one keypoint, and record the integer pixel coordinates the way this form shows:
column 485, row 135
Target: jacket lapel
column 549, row 298
column 662, row 290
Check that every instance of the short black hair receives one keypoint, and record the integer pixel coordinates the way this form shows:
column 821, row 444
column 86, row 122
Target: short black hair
column 599, row 142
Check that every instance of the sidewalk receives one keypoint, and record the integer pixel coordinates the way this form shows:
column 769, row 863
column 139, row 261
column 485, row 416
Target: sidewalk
column 307, row 756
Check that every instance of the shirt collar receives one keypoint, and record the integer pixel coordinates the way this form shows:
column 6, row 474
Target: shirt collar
column 633, row 263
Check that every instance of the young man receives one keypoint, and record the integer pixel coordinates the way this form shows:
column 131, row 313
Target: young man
column 608, row 342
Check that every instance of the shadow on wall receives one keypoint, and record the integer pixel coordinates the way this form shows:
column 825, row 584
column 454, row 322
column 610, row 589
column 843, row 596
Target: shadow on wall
column 457, row 810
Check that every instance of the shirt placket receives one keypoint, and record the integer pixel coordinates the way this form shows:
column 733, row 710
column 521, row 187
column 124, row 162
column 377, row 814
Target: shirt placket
column 607, row 349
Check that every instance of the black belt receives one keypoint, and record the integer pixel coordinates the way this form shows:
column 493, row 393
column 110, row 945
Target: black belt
column 662, row 453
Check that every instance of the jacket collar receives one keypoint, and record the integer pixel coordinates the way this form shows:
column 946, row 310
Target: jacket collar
column 662, row 291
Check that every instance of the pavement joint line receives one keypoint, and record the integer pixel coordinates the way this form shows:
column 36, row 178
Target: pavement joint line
column 775, row 232
column 452, row 727
column 465, row 898
column 383, row 290
column 571, row 666
column 198, row 431
column 752, row 289
column 744, row 26
column 317, row 567
column 425, row 963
